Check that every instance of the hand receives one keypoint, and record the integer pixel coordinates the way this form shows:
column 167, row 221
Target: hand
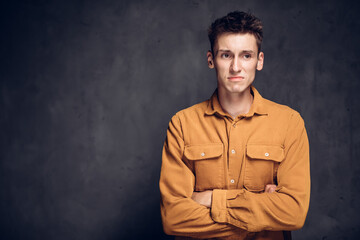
column 270, row 188
column 203, row 198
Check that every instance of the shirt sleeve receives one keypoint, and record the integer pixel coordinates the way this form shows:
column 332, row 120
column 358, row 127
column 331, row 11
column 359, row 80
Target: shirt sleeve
column 286, row 208
column 180, row 214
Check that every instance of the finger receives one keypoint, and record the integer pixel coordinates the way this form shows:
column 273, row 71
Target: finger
column 270, row 188
column 193, row 196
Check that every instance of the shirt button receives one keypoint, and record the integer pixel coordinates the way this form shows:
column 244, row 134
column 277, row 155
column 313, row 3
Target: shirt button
column 234, row 125
column 233, row 151
column 266, row 154
column 232, row 180
column 202, row 154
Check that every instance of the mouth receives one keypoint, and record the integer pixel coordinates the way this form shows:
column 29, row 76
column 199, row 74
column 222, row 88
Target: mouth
column 236, row 78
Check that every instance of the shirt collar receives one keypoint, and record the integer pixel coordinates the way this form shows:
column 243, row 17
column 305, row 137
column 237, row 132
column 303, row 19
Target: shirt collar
column 257, row 107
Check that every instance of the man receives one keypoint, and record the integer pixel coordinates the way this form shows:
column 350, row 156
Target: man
column 235, row 166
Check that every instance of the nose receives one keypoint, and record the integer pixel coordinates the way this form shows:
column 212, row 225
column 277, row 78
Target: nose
column 236, row 65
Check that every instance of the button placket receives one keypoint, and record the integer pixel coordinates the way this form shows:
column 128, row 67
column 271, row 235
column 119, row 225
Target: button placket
column 234, row 152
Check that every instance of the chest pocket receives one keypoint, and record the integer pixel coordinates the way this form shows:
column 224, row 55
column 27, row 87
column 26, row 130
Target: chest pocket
column 261, row 166
column 208, row 165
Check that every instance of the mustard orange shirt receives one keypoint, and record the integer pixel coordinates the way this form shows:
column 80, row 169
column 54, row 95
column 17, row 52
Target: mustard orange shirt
column 207, row 149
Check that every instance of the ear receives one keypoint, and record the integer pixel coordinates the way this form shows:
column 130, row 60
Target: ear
column 210, row 59
column 260, row 61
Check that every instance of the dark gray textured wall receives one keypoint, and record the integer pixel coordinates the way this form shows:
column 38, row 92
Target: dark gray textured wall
column 88, row 87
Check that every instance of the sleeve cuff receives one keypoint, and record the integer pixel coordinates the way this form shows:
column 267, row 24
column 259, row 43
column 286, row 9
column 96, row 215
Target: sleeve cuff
column 218, row 206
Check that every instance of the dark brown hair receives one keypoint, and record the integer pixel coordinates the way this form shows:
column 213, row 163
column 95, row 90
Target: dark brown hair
column 236, row 22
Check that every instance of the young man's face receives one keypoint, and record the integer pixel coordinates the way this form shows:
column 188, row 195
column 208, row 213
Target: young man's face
column 235, row 60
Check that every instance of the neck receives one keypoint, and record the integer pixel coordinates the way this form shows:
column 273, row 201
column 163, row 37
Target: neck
column 235, row 103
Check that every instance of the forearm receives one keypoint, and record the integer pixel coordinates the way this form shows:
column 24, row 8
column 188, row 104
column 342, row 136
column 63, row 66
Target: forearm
column 256, row 212
column 205, row 198
column 182, row 216
column 268, row 212
column 185, row 217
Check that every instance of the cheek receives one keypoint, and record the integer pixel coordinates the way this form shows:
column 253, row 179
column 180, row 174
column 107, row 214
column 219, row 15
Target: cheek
column 222, row 67
column 250, row 67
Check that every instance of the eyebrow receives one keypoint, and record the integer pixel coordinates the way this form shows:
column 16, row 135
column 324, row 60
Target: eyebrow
column 227, row 51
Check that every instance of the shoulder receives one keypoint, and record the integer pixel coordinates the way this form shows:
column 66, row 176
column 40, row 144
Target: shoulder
column 193, row 111
column 279, row 109
column 283, row 114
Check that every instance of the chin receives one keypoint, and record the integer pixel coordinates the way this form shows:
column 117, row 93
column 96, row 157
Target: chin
column 237, row 89
column 234, row 88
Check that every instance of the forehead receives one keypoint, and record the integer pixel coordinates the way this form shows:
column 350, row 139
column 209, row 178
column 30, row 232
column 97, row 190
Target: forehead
column 236, row 42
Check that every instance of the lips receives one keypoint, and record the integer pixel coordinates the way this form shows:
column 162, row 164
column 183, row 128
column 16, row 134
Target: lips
column 236, row 78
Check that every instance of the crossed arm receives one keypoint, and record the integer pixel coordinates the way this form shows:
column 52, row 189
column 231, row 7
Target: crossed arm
column 205, row 198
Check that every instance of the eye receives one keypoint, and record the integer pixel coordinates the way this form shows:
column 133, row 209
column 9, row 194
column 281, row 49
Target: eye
column 225, row 55
column 247, row 56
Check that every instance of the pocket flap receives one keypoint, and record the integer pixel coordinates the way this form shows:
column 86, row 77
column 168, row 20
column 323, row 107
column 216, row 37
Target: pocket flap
column 265, row 152
column 204, row 151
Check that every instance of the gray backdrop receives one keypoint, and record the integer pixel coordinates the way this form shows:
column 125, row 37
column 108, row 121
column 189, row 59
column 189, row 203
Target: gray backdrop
column 88, row 88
